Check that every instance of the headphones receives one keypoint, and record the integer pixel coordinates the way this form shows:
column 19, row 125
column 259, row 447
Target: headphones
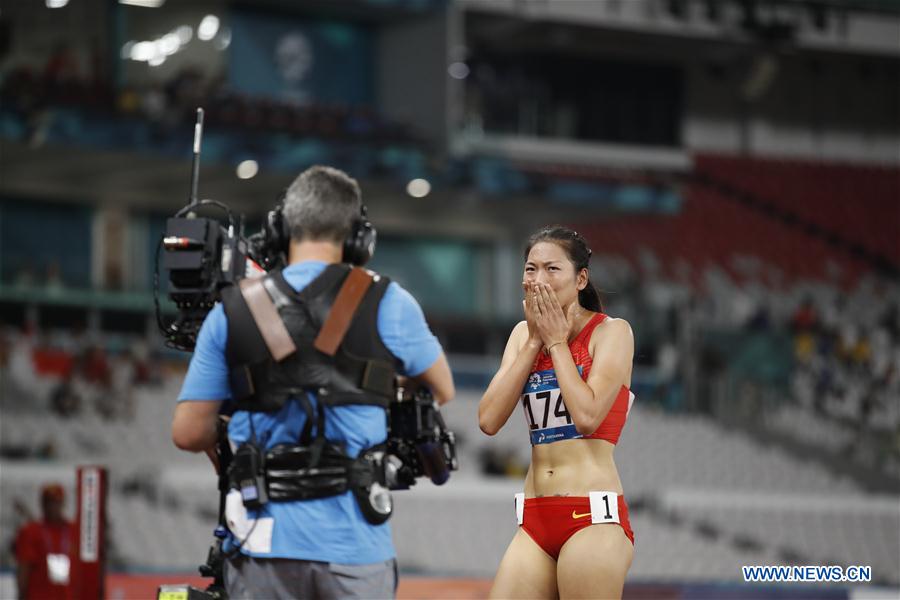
column 358, row 247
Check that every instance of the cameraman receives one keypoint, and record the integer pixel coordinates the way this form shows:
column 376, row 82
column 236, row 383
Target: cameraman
column 322, row 547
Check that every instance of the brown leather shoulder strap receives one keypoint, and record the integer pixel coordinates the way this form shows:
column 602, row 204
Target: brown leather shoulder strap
column 341, row 314
column 267, row 319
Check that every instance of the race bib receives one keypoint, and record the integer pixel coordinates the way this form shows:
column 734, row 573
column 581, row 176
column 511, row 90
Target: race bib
column 604, row 507
column 58, row 569
column 546, row 414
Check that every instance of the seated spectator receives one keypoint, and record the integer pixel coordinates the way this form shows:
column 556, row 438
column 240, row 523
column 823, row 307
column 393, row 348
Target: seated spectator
column 95, row 367
column 54, row 281
column 65, row 400
column 805, row 317
column 121, row 392
column 25, row 276
column 804, row 345
column 93, row 381
column 62, row 66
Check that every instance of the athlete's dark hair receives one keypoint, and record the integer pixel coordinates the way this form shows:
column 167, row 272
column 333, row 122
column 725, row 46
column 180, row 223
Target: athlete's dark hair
column 579, row 254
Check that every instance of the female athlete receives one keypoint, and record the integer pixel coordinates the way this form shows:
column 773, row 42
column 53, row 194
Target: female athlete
column 569, row 365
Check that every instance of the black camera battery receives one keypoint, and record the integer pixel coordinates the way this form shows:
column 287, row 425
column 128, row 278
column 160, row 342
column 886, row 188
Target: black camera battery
column 247, row 474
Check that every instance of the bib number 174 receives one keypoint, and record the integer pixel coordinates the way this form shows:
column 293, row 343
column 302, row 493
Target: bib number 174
column 539, row 413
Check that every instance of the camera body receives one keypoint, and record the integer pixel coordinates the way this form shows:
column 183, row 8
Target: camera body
column 202, row 257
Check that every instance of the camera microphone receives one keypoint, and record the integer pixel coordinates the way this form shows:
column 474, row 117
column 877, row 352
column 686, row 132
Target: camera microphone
column 433, row 463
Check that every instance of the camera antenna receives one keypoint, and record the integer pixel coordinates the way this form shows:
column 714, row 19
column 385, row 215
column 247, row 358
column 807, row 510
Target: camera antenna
column 195, row 167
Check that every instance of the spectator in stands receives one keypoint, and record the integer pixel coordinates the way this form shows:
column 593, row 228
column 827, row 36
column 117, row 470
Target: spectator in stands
column 62, row 66
column 65, row 399
column 28, row 385
column 122, row 377
column 25, row 276
column 310, row 540
column 184, row 92
column 805, row 317
column 890, row 321
column 761, row 320
column 95, row 366
column 93, row 381
column 861, row 354
column 804, row 345
column 668, row 384
column 570, row 367
column 712, row 364
column 53, row 281
column 43, row 550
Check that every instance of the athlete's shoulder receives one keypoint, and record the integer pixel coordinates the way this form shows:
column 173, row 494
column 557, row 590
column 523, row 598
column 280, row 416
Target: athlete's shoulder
column 613, row 328
column 519, row 333
column 518, row 337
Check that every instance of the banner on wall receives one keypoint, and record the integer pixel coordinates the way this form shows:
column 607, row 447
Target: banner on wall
column 301, row 61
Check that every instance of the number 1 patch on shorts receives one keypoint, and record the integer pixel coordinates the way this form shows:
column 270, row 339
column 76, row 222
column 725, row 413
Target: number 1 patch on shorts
column 545, row 410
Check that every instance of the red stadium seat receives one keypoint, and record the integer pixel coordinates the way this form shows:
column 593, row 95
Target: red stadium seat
column 859, row 204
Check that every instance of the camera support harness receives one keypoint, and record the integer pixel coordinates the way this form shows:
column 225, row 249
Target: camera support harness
column 316, row 467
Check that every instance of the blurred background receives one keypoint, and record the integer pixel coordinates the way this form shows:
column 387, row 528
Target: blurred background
column 735, row 165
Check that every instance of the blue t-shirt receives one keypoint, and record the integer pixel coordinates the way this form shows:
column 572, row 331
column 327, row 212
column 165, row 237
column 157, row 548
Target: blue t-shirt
column 327, row 529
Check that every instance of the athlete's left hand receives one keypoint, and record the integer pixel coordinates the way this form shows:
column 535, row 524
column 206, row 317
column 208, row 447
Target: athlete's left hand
column 553, row 324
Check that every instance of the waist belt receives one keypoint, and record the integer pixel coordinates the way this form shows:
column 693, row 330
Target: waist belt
column 319, row 470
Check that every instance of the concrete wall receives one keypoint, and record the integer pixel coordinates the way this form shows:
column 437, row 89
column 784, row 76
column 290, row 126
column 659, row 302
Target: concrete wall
column 411, row 78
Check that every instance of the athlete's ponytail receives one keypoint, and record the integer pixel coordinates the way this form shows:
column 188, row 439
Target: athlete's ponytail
column 589, row 297
column 579, row 254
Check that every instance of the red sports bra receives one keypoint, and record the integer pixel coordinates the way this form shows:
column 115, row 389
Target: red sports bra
column 545, row 410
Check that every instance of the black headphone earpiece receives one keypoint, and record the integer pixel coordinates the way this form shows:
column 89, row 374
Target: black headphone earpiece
column 360, row 244
column 277, row 228
column 276, row 231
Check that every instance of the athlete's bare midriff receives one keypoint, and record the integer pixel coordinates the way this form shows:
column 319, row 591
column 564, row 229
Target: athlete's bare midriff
column 572, row 468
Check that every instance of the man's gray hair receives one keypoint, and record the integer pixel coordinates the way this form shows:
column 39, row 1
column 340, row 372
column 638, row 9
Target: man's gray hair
column 321, row 204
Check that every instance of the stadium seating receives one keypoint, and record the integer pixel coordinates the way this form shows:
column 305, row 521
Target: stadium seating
column 853, row 201
column 685, row 478
column 793, row 210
